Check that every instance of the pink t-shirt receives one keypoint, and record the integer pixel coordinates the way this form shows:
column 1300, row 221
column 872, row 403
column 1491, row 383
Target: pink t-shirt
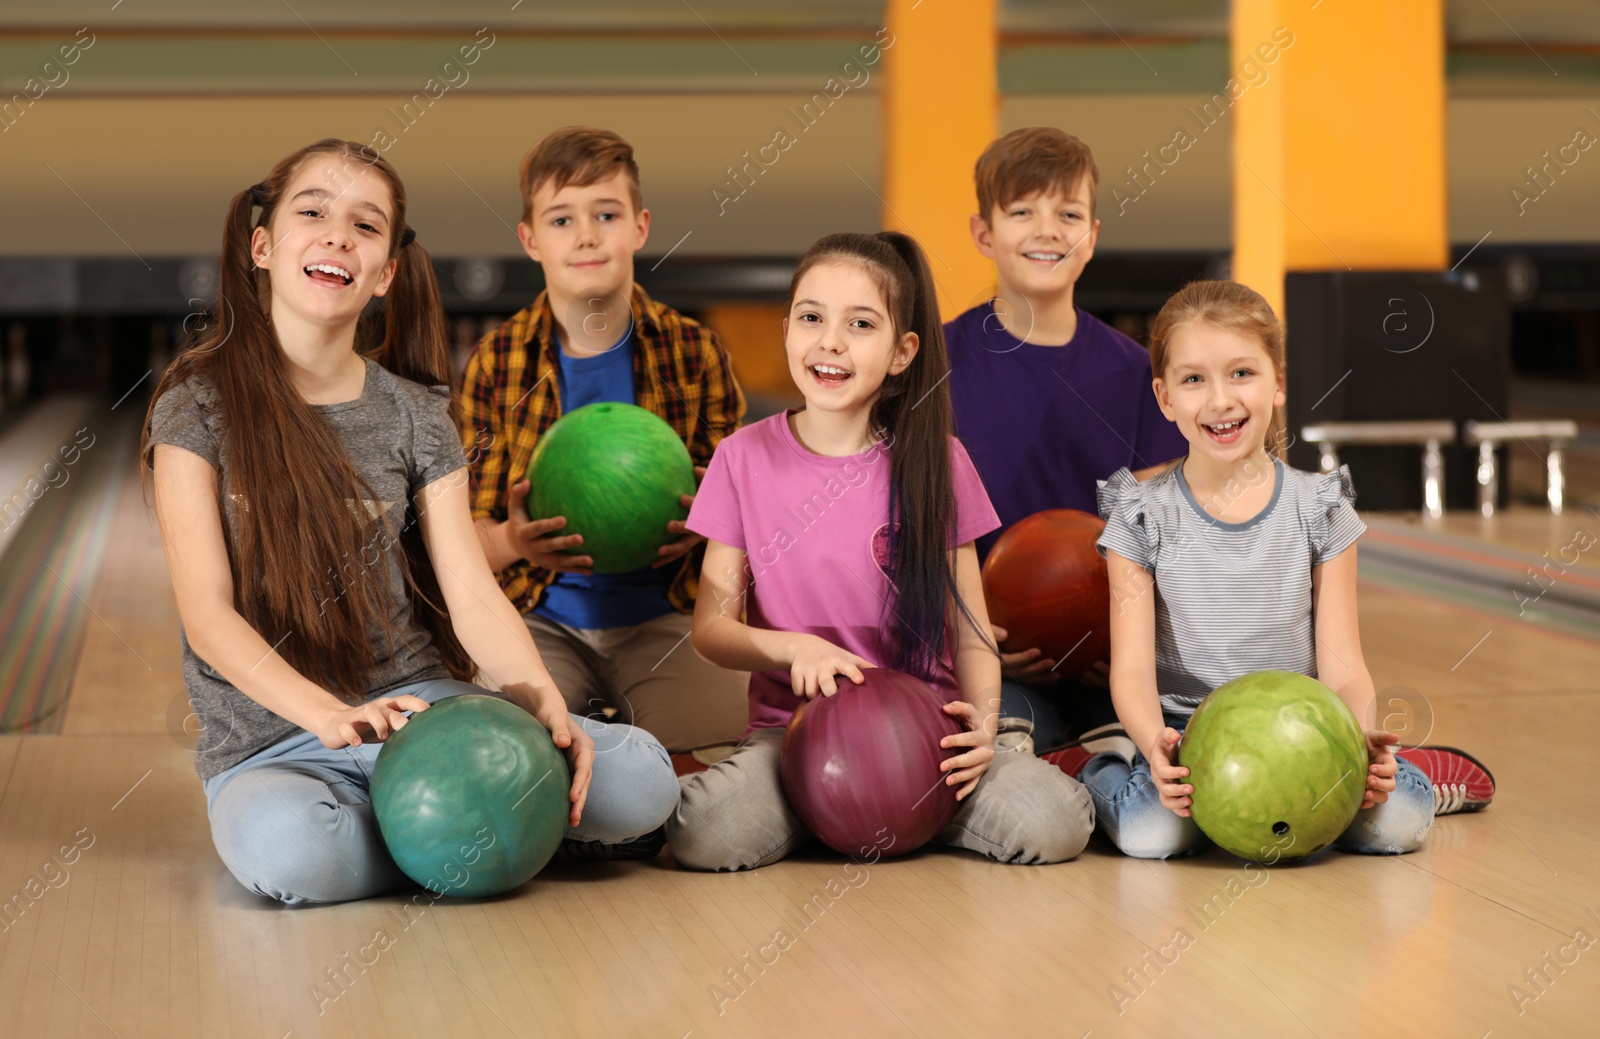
column 815, row 530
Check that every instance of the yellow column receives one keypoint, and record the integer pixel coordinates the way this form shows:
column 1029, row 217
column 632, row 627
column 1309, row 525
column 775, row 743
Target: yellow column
column 941, row 108
column 1339, row 138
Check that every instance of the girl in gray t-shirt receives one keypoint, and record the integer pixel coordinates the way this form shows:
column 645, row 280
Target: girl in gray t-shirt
column 311, row 491
column 1225, row 563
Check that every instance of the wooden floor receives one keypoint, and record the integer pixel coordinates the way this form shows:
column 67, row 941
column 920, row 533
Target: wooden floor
column 130, row 926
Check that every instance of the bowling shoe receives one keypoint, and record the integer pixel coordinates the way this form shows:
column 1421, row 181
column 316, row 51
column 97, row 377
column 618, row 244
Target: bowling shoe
column 1014, row 734
column 1107, row 738
column 640, row 848
column 1461, row 783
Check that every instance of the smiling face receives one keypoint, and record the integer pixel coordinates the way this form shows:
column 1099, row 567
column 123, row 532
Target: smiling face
column 327, row 245
column 1040, row 242
column 585, row 236
column 1220, row 387
column 839, row 339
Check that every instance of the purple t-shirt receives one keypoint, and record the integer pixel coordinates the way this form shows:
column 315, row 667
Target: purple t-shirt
column 815, row 530
column 1044, row 423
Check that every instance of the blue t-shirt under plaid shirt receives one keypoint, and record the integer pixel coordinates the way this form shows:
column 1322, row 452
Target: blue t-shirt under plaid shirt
column 1231, row 598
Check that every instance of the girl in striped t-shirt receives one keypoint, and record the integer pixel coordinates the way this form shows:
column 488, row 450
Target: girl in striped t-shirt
column 1224, row 563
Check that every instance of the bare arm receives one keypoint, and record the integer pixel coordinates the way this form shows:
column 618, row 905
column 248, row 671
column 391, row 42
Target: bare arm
column 978, row 675
column 1133, row 678
column 1133, row 650
column 197, row 559
column 490, row 629
column 723, row 639
column 1341, row 667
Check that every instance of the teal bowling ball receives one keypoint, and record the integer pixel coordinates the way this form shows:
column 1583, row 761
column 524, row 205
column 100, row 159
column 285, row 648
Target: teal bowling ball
column 471, row 796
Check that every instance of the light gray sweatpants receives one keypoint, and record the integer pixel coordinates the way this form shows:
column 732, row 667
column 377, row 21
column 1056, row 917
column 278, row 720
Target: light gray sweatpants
column 734, row 816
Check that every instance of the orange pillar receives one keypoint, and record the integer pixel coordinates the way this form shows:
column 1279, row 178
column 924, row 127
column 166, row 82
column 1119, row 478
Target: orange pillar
column 941, row 108
column 1339, row 138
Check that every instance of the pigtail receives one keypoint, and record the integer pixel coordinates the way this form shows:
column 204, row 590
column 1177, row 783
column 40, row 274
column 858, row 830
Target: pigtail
column 416, row 338
column 416, row 346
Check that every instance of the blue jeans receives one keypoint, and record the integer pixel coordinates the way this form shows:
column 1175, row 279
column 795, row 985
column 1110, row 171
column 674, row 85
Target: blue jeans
column 1058, row 712
column 294, row 822
column 1129, row 811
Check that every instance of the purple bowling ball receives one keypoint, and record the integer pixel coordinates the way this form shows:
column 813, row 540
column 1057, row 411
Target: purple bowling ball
column 861, row 768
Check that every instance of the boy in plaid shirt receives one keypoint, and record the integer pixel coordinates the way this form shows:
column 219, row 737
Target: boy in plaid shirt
column 618, row 640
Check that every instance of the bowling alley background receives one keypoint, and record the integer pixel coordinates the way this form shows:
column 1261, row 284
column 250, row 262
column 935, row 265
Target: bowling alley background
column 125, row 128
column 1413, row 185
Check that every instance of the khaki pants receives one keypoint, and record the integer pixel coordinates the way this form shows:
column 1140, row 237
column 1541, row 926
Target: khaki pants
column 651, row 675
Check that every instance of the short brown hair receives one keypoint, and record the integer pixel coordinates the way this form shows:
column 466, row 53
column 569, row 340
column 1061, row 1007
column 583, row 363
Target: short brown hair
column 1036, row 158
column 580, row 155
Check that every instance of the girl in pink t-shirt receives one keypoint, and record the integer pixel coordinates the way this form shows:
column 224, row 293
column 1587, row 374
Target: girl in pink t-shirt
column 840, row 537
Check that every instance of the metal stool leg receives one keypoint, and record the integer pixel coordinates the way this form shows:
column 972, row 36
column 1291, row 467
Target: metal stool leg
column 1556, row 478
column 1328, row 456
column 1433, row 480
column 1488, row 478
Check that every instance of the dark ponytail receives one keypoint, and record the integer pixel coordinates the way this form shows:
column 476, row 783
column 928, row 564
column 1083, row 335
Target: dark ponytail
column 912, row 416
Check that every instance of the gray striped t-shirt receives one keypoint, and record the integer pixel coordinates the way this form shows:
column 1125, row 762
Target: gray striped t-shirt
column 1231, row 598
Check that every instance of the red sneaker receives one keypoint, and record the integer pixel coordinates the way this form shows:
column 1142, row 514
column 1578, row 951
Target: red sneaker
column 1107, row 738
column 1461, row 783
column 685, row 764
column 1069, row 759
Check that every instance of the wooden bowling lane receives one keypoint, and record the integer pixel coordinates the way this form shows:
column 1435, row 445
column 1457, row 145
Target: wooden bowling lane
column 147, row 935
column 144, row 933
column 130, row 677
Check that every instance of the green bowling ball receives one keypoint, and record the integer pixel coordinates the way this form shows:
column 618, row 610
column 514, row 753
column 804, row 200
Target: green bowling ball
column 616, row 472
column 471, row 796
column 1278, row 764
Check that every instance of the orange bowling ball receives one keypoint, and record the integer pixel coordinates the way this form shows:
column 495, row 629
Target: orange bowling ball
column 1046, row 585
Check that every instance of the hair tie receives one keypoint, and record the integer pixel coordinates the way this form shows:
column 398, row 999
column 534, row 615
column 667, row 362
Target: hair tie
column 406, row 238
column 258, row 195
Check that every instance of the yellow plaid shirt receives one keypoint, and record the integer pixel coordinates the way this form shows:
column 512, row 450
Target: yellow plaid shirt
column 510, row 396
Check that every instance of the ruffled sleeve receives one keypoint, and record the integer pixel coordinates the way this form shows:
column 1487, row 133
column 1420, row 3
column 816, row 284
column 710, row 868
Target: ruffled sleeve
column 189, row 415
column 1125, row 508
column 1330, row 514
column 438, row 446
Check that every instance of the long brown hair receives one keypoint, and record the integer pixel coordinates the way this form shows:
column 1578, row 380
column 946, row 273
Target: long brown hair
column 305, row 568
column 912, row 417
column 1231, row 307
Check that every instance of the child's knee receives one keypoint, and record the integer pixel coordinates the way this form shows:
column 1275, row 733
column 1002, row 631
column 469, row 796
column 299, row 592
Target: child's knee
column 1160, row 834
column 723, row 824
column 279, row 843
column 637, row 765
column 1396, row 827
column 696, row 842
column 1047, row 815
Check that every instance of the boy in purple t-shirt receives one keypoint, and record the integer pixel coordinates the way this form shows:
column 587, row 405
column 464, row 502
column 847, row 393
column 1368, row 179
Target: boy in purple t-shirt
column 1048, row 399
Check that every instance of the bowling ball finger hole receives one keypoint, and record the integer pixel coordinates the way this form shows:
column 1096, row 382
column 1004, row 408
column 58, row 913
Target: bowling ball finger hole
column 1280, row 828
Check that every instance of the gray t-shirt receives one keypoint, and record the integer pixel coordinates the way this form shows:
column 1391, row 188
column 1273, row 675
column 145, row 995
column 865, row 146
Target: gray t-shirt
column 400, row 438
column 1231, row 598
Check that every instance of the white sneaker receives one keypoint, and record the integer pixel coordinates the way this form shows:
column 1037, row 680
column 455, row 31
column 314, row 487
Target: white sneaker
column 1112, row 738
column 1014, row 734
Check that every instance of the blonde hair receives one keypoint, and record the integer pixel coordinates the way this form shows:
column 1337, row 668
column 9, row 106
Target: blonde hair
column 1230, row 307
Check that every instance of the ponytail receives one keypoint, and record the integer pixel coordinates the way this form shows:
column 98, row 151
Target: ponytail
column 912, row 417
